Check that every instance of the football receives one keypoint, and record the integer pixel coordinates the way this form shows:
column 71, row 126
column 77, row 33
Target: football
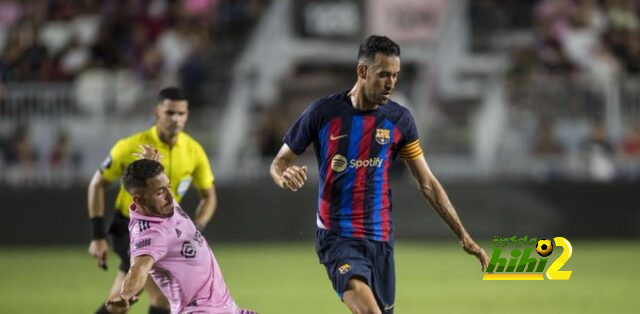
column 544, row 247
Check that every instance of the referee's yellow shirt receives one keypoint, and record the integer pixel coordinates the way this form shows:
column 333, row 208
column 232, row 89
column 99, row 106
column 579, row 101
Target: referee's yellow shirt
column 184, row 163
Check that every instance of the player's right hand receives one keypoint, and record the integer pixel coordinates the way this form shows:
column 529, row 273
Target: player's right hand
column 99, row 249
column 293, row 177
column 471, row 247
column 148, row 152
column 120, row 304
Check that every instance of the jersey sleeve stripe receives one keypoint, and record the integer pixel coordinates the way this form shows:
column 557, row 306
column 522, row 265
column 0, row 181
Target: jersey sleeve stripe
column 411, row 151
column 411, row 145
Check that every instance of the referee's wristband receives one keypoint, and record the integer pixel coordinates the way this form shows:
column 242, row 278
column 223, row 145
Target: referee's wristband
column 97, row 228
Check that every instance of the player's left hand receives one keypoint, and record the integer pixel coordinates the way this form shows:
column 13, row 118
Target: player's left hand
column 473, row 248
column 148, row 152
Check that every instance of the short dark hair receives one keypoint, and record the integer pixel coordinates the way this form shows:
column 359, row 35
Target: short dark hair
column 377, row 44
column 171, row 93
column 137, row 173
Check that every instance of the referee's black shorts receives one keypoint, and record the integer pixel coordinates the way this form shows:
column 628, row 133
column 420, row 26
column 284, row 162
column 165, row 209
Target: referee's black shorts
column 119, row 231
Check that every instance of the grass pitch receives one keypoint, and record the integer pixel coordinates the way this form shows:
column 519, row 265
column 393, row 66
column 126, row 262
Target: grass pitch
column 286, row 278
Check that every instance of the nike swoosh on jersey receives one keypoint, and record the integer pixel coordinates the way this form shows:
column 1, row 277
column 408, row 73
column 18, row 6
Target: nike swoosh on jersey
column 333, row 138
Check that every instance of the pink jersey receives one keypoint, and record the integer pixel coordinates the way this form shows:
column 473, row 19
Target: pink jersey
column 185, row 268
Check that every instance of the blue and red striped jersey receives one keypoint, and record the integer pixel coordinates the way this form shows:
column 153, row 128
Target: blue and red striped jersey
column 354, row 149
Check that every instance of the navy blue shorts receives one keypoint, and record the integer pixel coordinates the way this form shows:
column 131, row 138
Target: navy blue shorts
column 369, row 260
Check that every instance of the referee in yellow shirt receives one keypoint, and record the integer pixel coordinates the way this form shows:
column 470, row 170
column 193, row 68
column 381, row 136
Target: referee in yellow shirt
column 185, row 163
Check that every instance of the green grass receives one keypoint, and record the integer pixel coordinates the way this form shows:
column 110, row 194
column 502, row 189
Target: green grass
column 286, row 278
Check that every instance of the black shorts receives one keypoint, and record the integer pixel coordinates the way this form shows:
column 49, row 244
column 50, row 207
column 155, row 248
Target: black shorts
column 119, row 231
column 370, row 260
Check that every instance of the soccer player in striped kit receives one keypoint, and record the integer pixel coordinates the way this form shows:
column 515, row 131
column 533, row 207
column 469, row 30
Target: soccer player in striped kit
column 356, row 135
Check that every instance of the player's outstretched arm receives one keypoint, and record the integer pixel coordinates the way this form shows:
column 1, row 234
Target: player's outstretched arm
column 99, row 247
column 284, row 173
column 433, row 191
column 132, row 285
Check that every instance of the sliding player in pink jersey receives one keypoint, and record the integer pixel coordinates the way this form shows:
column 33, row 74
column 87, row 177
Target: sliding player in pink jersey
column 166, row 244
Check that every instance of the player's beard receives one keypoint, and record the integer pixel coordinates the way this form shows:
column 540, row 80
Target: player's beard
column 379, row 98
column 385, row 96
column 165, row 211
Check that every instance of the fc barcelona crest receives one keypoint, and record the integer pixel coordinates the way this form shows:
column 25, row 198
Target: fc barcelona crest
column 383, row 136
column 344, row 269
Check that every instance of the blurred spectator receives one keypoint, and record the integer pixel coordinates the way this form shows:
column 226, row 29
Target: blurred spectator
column 626, row 47
column 93, row 91
column 10, row 14
column 580, row 39
column 522, row 67
column 86, row 22
column 201, row 10
column 24, row 57
column 56, row 32
column 59, row 40
column 156, row 18
column 74, row 58
column 623, row 15
column 598, row 154
column 272, row 127
column 151, row 66
column 549, row 51
column 174, row 46
column 487, row 17
column 64, row 161
column 193, row 73
column 134, row 53
column 598, row 38
column 631, row 141
column 20, row 158
column 545, row 143
column 19, row 151
column 632, row 56
column 61, row 152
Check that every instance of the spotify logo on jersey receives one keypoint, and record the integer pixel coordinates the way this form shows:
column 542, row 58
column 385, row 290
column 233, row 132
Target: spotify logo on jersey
column 338, row 163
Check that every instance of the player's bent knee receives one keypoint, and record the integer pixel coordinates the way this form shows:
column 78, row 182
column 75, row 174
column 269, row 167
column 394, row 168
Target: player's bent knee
column 359, row 297
column 156, row 298
column 158, row 301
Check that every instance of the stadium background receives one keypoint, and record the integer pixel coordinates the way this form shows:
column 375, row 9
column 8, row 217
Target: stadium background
column 529, row 113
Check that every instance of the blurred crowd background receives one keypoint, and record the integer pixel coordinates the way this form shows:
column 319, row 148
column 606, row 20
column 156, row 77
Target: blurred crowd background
column 528, row 111
column 69, row 68
column 516, row 90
